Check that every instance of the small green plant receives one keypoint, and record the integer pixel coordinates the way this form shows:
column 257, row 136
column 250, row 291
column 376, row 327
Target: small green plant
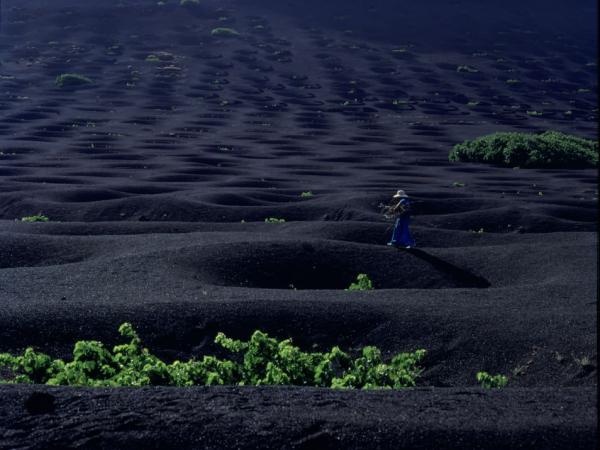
column 262, row 360
column 549, row 149
column 152, row 58
column 584, row 361
column 307, row 194
column 35, row 218
column 513, row 81
column 488, row 381
column 535, row 113
column 72, row 80
column 224, row 32
column 363, row 283
column 274, row 220
column 458, row 184
column 466, row 69
column 189, row 3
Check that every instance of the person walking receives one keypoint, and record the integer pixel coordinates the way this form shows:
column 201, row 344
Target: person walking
column 400, row 208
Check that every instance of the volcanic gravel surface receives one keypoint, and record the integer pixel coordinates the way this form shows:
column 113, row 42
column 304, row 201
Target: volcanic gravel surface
column 158, row 176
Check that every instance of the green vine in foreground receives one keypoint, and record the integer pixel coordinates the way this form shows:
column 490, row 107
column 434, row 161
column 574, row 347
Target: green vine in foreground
column 261, row 361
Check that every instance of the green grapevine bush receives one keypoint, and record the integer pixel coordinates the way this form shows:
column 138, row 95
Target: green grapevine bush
column 35, row 218
column 488, row 381
column 549, row 149
column 72, row 80
column 260, row 361
column 363, row 283
column 274, row 220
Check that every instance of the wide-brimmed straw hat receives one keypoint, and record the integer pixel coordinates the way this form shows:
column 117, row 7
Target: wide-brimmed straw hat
column 400, row 194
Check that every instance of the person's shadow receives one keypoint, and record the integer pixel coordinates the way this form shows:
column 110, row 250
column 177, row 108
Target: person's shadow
column 462, row 276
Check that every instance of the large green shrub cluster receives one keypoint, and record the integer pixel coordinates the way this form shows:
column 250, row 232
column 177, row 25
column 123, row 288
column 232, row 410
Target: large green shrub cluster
column 260, row 361
column 549, row 149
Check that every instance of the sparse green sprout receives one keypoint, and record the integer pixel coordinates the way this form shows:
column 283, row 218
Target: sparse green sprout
column 307, row 194
column 513, row 81
column 35, row 218
column 262, row 360
column 224, row 32
column 189, row 3
column 584, row 362
column 458, row 184
column 152, row 58
column 363, row 283
column 274, row 220
column 72, row 80
column 473, row 103
column 466, row 69
column 549, row 149
column 488, row 381
column 535, row 113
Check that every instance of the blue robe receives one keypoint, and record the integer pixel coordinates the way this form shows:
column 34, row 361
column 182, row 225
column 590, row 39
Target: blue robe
column 401, row 236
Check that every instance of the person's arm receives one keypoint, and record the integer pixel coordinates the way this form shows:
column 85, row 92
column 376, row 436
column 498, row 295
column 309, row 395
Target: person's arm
column 392, row 210
column 399, row 206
